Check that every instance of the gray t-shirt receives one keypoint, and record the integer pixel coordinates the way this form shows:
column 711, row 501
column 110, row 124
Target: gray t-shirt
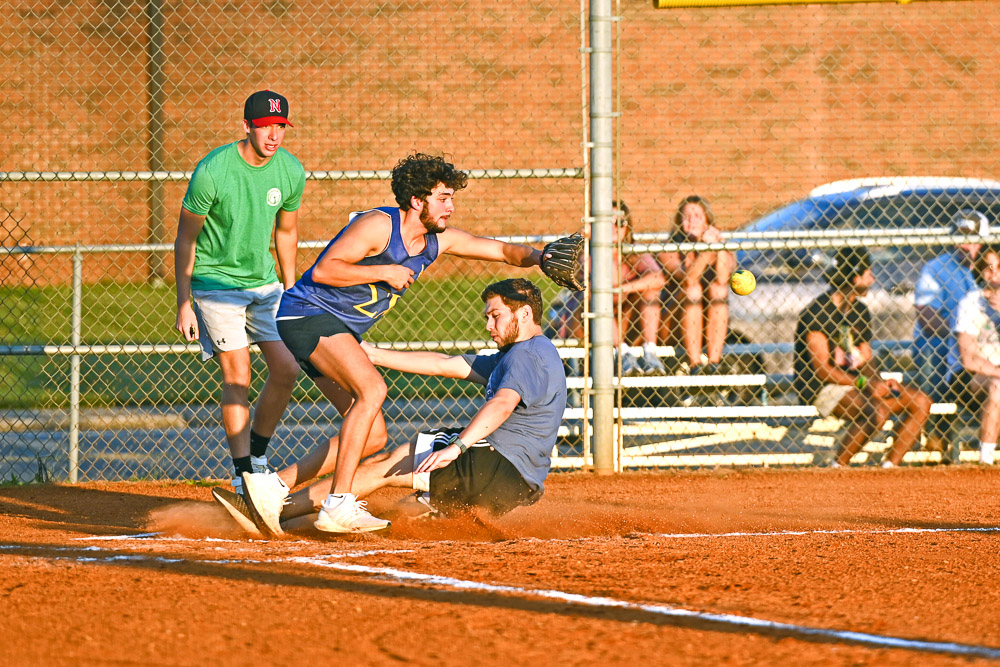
column 534, row 370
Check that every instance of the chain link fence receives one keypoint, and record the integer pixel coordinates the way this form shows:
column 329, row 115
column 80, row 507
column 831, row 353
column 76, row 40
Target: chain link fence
column 868, row 124
column 116, row 101
column 752, row 109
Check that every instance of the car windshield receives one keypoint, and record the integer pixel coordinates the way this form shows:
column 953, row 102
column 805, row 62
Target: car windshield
column 889, row 207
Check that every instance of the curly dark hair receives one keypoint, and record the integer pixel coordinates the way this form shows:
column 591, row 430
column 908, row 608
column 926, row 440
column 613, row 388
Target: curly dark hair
column 418, row 174
column 517, row 292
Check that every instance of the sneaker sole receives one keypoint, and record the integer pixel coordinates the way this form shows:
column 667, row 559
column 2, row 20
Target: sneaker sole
column 255, row 514
column 237, row 508
column 330, row 527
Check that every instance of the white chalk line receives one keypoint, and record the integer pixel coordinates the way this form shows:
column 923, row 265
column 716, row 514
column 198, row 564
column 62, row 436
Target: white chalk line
column 407, row 577
column 678, row 536
column 880, row 641
column 845, row 531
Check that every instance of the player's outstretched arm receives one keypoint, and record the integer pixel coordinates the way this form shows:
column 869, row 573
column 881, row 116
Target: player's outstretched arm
column 367, row 235
column 462, row 244
column 488, row 419
column 421, row 362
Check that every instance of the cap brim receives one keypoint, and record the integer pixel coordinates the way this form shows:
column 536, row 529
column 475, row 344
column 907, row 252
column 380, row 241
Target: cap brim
column 270, row 120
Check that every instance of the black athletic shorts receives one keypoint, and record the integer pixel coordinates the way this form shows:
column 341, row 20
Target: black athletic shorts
column 301, row 336
column 481, row 477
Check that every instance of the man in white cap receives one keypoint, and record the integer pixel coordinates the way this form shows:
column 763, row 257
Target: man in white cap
column 943, row 282
column 977, row 328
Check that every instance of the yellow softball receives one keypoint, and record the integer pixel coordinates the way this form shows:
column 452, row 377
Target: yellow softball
column 742, row 282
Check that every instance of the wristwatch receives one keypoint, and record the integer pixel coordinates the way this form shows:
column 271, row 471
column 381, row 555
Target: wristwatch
column 455, row 440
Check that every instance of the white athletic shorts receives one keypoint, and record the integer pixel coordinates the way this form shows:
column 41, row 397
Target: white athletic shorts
column 231, row 319
column 829, row 396
column 422, row 448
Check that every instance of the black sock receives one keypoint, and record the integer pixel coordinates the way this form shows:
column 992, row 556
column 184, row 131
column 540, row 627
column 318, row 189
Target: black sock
column 242, row 465
column 258, row 444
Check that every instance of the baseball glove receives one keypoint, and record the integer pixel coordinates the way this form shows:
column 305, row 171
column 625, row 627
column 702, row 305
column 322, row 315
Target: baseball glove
column 561, row 261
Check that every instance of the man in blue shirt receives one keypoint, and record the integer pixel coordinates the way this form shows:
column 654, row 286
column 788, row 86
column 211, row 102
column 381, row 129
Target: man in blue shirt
column 500, row 459
column 943, row 282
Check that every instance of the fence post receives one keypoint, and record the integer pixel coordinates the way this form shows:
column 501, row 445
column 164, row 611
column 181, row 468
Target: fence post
column 154, row 87
column 74, row 374
column 601, row 245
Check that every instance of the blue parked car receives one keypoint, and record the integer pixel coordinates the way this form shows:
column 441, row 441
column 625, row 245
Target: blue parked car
column 896, row 203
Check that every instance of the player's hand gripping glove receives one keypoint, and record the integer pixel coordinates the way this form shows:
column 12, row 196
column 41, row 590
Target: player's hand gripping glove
column 561, row 261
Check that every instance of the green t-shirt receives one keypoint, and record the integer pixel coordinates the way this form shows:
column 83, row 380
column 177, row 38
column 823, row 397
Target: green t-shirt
column 240, row 202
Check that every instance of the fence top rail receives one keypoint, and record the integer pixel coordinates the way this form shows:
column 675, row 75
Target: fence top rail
column 169, row 247
column 923, row 237
column 867, row 238
column 569, row 348
column 734, row 234
column 314, row 175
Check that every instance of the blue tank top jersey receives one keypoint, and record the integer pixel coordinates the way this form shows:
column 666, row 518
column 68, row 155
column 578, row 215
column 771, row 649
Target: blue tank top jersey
column 358, row 306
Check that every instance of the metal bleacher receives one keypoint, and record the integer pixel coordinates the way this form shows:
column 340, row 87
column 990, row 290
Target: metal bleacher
column 772, row 430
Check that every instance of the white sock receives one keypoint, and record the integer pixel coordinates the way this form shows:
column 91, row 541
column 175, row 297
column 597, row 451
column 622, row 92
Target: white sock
column 649, row 348
column 986, row 450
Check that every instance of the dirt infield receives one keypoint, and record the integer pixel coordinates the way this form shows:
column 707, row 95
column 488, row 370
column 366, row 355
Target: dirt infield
column 807, row 567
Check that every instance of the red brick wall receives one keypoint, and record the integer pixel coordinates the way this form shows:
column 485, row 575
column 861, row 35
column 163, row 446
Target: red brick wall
column 750, row 107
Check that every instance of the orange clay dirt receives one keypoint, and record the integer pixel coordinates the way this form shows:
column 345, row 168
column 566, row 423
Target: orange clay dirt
column 703, row 568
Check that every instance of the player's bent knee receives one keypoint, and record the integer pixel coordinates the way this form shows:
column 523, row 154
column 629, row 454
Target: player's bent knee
column 373, row 392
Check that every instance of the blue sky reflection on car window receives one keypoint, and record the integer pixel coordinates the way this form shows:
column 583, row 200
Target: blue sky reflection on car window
column 900, row 203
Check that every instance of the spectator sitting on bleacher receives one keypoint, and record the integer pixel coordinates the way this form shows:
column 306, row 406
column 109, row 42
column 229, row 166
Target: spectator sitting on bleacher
column 835, row 371
column 943, row 282
column 639, row 279
column 698, row 286
column 977, row 322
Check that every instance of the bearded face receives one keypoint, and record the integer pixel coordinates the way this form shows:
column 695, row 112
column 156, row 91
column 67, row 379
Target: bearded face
column 430, row 224
column 510, row 334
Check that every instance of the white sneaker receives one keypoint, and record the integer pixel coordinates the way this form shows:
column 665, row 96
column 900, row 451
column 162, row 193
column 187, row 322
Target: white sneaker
column 888, row 464
column 986, row 454
column 259, row 464
column 650, row 364
column 630, row 365
column 343, row 513
column 265, row 494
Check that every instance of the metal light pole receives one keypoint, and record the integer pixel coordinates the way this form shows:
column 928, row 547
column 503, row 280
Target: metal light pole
column 601, row 234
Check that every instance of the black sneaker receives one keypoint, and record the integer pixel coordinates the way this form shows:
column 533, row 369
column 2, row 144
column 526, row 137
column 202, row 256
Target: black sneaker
column 237, row 508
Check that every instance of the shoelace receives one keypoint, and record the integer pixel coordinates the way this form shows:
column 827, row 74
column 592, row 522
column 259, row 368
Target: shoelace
column 361, row 508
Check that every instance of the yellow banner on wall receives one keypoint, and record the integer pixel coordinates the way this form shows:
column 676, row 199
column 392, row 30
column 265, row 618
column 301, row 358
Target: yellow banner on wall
column 677, row 4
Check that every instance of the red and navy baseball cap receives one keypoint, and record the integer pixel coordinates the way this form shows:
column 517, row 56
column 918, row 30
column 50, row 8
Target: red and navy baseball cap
column 265, row 108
